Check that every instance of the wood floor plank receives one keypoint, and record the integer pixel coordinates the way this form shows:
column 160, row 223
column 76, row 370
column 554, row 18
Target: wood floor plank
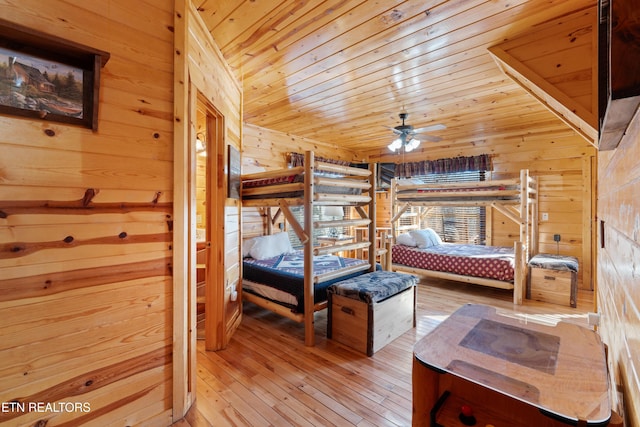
column 267, row 376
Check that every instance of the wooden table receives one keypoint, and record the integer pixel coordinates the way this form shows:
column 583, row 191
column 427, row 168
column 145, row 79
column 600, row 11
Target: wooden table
column 509, row 371
column 341, row 239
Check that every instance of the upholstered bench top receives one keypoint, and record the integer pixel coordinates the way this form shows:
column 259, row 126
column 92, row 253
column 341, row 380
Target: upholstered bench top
column 554, row 262
column 373, row 287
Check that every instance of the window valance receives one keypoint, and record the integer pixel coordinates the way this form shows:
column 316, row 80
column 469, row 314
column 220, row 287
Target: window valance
column 450, row 165
column 297, row 159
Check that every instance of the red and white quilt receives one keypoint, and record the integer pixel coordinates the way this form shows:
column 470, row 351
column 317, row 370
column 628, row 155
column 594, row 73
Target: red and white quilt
column 491, row 262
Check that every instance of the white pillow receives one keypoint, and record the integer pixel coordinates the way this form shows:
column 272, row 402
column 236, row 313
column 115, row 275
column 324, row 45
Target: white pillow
column 435, row 236
column 406, row 239
column 270, row 246
column 425, row 238
column 247, row 245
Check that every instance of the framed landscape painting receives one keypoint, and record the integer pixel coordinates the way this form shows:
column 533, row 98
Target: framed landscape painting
column 44, row 77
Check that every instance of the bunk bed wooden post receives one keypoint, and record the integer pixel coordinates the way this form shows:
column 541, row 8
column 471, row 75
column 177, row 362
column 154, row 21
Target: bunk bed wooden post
column 372, row 218
column 524, row 209
column 309, row 310
column 269, row 221
column 534, row 220
column 388, row 245
column 522, row 247
column 295, row 225
column 519, row 272
column 394, row 208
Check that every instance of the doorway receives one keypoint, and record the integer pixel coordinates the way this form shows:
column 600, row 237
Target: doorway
column 217, row 219
column 202, row 234
column 210, row 195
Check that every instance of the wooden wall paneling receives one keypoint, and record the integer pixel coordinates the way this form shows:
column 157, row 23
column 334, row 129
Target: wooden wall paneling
column 564, row 194
column 254, row 222
column 573, row 114
column 267, row 149
column 34, row 253
column 44, row 166
column 89, row 217
column 589, row 244
column 617, row 285
column 68, row 206
column 133, row 317
column 510, row 138
column 138, row 142
column 560, row 53
column 383, row 209
column 232, row 264
column 185, row 257
column 201, row 191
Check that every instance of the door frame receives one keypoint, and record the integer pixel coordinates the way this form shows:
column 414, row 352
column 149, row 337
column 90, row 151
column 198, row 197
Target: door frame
column 188, row 83
column 216, row 196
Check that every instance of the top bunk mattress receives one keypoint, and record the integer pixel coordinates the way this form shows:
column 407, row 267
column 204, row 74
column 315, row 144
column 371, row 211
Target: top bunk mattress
column 485, row 191
column 281, row 187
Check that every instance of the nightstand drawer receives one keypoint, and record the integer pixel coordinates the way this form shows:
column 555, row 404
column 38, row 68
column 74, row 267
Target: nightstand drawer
column 554, row 286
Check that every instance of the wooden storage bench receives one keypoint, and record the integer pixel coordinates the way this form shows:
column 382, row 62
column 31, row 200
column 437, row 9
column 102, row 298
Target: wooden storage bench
column 369, row 311
column 553, row 278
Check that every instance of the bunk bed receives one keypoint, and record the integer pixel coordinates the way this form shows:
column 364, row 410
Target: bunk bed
column 498, row 267
column 315, row 183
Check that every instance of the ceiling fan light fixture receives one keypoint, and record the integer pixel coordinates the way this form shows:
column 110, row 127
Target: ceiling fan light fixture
column 395, row 145
column 411, row 145
column 406, row 134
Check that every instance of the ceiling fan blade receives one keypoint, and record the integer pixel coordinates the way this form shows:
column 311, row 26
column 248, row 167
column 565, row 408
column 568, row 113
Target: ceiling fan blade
column 430, row 128
column 430, row 138
column 396, row 131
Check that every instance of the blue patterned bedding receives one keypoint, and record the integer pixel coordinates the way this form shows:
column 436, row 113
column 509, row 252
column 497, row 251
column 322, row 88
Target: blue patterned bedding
column 555, row 262
column 286, row 273
column 374, row 287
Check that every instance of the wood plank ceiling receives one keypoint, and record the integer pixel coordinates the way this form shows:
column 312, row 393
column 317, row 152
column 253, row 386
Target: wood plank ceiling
column 339, row 71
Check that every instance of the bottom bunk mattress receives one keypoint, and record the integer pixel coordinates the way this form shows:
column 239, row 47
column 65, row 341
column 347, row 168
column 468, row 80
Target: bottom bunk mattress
column 281, row 278
column 489, row 262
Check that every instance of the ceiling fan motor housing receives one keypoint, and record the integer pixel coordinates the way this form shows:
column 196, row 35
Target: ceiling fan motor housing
column 404, row 128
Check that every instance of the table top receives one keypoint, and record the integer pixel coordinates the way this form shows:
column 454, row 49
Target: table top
column 338, row 238
column 560, row 369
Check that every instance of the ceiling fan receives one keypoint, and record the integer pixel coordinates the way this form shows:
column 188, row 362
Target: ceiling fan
column 406, row 135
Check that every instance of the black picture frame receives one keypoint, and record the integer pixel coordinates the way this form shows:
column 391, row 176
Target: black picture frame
column 233, row 159
column 48, row 78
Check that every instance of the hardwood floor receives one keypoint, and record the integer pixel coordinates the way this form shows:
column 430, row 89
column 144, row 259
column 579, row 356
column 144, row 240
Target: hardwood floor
column 267, row 377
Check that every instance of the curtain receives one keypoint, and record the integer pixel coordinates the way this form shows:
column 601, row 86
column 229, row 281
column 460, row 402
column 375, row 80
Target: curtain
column 297, row 159
column 451, row 165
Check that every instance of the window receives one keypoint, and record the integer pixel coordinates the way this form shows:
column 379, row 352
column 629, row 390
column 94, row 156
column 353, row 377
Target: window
column 319, row 214
column 454, row 224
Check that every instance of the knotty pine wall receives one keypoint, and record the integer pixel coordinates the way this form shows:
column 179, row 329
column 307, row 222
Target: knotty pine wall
column 86, row 230
column 563, row 165
column 619, row 269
